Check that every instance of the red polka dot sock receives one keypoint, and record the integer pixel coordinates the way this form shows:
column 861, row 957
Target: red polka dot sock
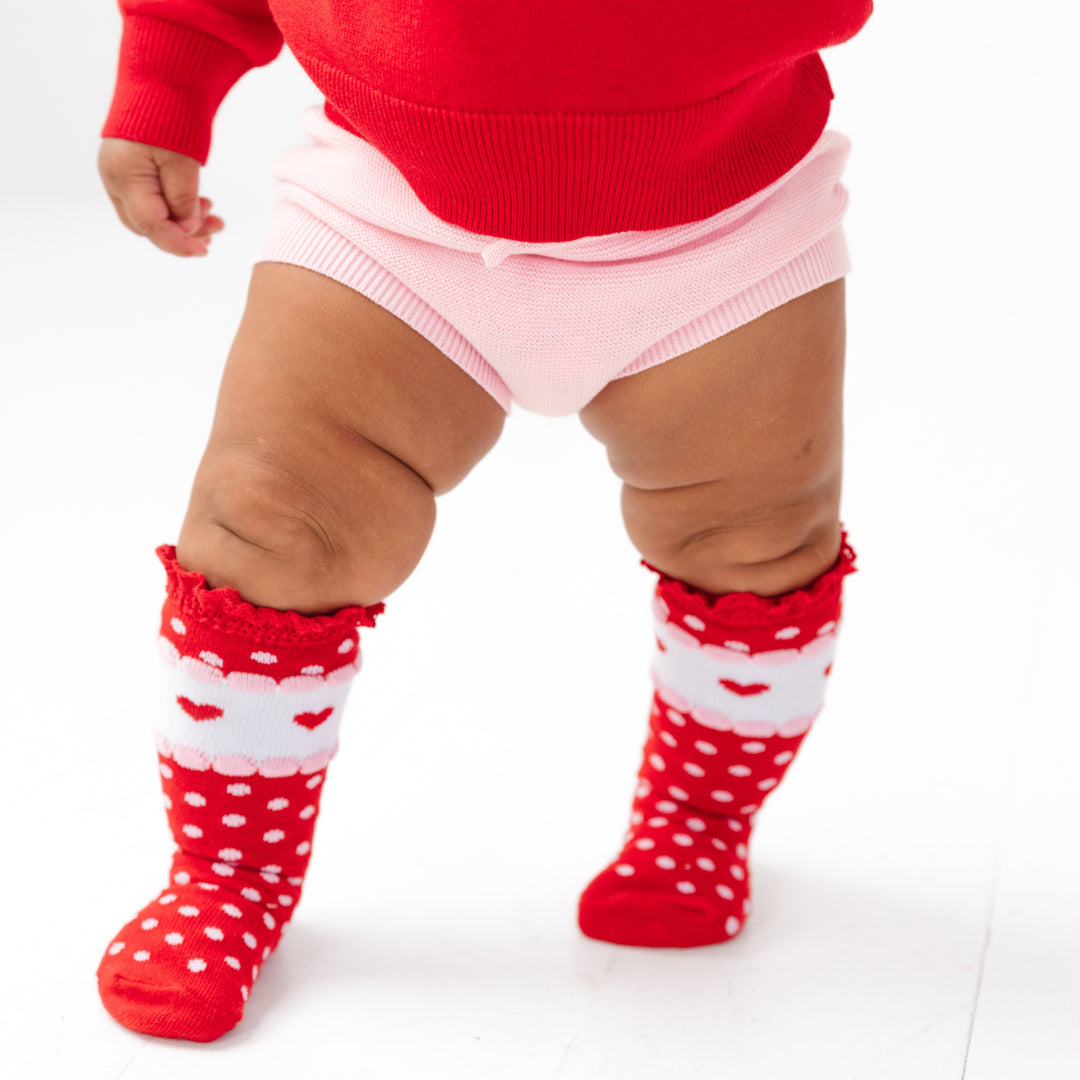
column 739, row 680
column 252, row 698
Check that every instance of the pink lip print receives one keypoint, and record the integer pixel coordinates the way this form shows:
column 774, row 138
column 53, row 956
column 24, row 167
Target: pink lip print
column 199, row 712
column 744, row 689
column 312, row 720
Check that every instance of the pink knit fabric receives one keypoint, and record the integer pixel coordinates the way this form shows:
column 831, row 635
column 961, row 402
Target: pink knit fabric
column 548, row 325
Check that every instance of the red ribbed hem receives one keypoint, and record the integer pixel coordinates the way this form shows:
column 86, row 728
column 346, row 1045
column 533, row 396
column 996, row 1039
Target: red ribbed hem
column 227, row 611
column 559, row 176
column 170, row 82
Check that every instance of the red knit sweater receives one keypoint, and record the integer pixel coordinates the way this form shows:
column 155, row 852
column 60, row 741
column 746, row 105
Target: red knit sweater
column 536, row 120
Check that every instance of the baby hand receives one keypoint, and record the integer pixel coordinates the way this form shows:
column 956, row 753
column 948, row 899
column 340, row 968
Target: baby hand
column 156, row 195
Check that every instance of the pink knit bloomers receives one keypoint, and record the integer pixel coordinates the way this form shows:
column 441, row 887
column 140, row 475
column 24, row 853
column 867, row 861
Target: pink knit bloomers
column 548, row 325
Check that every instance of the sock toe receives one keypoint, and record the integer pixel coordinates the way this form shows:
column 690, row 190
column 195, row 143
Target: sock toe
column 168, row 1010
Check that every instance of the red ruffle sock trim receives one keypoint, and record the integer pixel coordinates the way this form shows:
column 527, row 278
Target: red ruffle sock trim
column 739, row 680
column 248, row 722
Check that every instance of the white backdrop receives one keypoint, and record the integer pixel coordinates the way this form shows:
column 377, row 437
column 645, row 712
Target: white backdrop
column 916, row 876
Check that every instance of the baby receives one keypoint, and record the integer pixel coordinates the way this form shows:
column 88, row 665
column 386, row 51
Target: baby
column 618, row 208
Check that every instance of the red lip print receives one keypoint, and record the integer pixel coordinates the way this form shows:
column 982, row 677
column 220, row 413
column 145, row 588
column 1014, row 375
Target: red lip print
column 744, row 690
column 312, row 720
column 199, row 712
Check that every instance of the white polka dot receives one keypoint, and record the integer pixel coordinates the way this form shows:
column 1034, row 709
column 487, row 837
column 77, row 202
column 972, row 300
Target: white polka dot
column 231, row 909
column 678, row 793
column 686, row 887
column 249, row 941
column 314, row 782
column 264, row 658
column 666, row 862
column 657, row 762
column 239, row 789
column 624, row 869
column 787, row 633
column 666, row 806
column 193, row 798
column 272, row 836
column 739, row 770
column 230, row 854
column 726, row 892
column 723, row 796
column 784, row 758
column 166, row 800
column 767, row 785
column 182, row 877
column 174, row 938
column 266, row 950
column 148, row 924
column 693, row 769
column 285, row 901
column 214, row 933
column 693, row 622
column 303, row 848
column 208, row 886
column 251, row 894
column 668, row 739
column 234, row 821
column 737, row 872
column 297, row 881
column 244, row 992
column 645, row 843
column 737, row 646
column 676, row 718
column 271, row 868
column 233, row 962
column 682, row 839
column 116, row 947
column 749, row 809
column 732, row 925
column 704, row 747
column 312, row 669
column 277, row 804
column 254, row 972
column 168, row 898
column 223, row 869
column 178, row 626
column 193, row 831
column 643, row 789
column 268, row 920
column 706, row 864
column 637, row 817
column 657, row 822
column 196, row 964
column 740, row 850
column 696, row 824
column 826, row 628
column 188, row 910
column 346, row 646
column 141, row 955
column 165, row 771
column 753, row 747
column 733, row 825
column 719, row 844
column 270, row 879
column 211, row 658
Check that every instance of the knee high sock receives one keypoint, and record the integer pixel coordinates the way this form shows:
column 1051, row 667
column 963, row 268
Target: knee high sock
column 739, row 680
column 252, row 699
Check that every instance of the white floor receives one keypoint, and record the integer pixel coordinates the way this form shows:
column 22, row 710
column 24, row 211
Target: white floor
column 916, row 882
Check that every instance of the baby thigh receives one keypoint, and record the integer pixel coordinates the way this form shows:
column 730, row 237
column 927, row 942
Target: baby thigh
column 336, row 425
column 731, row 454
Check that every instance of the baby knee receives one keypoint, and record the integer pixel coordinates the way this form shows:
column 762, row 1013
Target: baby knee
column 305, row 540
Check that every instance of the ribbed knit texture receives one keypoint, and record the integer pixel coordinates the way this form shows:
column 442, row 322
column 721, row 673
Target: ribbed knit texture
column 537, row 122
column 548, row 325
column 248, row 721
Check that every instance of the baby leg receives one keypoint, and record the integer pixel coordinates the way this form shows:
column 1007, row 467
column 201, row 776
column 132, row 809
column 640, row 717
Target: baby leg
column 731, row 462
column 336, row 425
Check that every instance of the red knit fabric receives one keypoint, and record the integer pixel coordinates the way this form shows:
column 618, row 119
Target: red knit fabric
column 682, row 877
column 248, row 724
column 533, row 121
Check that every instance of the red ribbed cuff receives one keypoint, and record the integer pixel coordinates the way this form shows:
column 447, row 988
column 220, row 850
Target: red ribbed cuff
column 170, row 81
